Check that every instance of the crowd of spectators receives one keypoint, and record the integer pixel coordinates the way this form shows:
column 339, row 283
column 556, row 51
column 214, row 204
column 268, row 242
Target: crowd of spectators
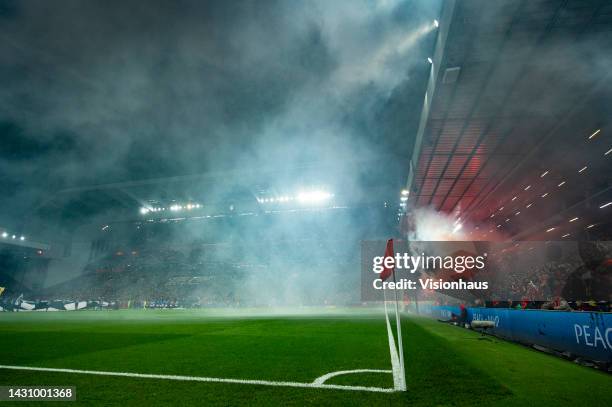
column 156, row 278
column 546, row 275
column 205, row 275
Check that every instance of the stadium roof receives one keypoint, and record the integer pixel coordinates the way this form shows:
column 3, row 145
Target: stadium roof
column 521, row 104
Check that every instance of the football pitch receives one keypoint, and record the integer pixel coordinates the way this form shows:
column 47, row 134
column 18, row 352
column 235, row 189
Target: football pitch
column 327, row 357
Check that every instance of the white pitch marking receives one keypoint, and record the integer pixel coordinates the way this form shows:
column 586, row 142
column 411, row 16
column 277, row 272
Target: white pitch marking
column 395, row 361
column 203, row 379
column 325, row 377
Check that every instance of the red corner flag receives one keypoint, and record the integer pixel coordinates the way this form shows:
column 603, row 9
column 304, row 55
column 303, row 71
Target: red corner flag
column 388, row 271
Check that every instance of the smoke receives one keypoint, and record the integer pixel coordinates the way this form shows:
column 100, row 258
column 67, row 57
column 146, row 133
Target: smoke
column 431, row 225
column 269, row 95
column 288, row 95
column 99, row 92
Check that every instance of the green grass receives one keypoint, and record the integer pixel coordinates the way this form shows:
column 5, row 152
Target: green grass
column 445, row 365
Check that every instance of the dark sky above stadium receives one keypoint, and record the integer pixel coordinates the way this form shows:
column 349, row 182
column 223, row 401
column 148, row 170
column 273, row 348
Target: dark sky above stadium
column 102, row 91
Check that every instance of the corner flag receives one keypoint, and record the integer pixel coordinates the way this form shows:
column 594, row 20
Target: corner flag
column 397, row 363
column 388, row 271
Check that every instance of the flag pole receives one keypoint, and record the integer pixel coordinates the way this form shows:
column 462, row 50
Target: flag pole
column 385, row 302
column 399, row 335
column 399, row 375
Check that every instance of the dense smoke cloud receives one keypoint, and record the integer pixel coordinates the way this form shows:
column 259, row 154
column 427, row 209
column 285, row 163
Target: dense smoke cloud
column 93, row 92
column 431, row 225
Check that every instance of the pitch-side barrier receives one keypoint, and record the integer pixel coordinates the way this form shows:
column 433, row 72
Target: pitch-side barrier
column 581, row 333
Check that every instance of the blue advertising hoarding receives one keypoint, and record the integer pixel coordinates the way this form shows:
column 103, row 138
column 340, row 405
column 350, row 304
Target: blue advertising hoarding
column 586, row 334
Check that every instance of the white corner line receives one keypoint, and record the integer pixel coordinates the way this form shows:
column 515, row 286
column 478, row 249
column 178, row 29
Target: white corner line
column 204, row 379
column 395, row 361
column 325, row 377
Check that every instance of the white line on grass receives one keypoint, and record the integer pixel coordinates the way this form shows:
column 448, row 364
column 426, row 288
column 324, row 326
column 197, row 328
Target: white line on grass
column 398, row 383
column 204, row 379
column 325, row 377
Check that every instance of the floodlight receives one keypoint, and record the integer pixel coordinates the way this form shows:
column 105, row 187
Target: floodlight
column 4, row 235
column 430, row 60
column 22, row 238
column 594, row 134
column 436, row 23
column 315, row 196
